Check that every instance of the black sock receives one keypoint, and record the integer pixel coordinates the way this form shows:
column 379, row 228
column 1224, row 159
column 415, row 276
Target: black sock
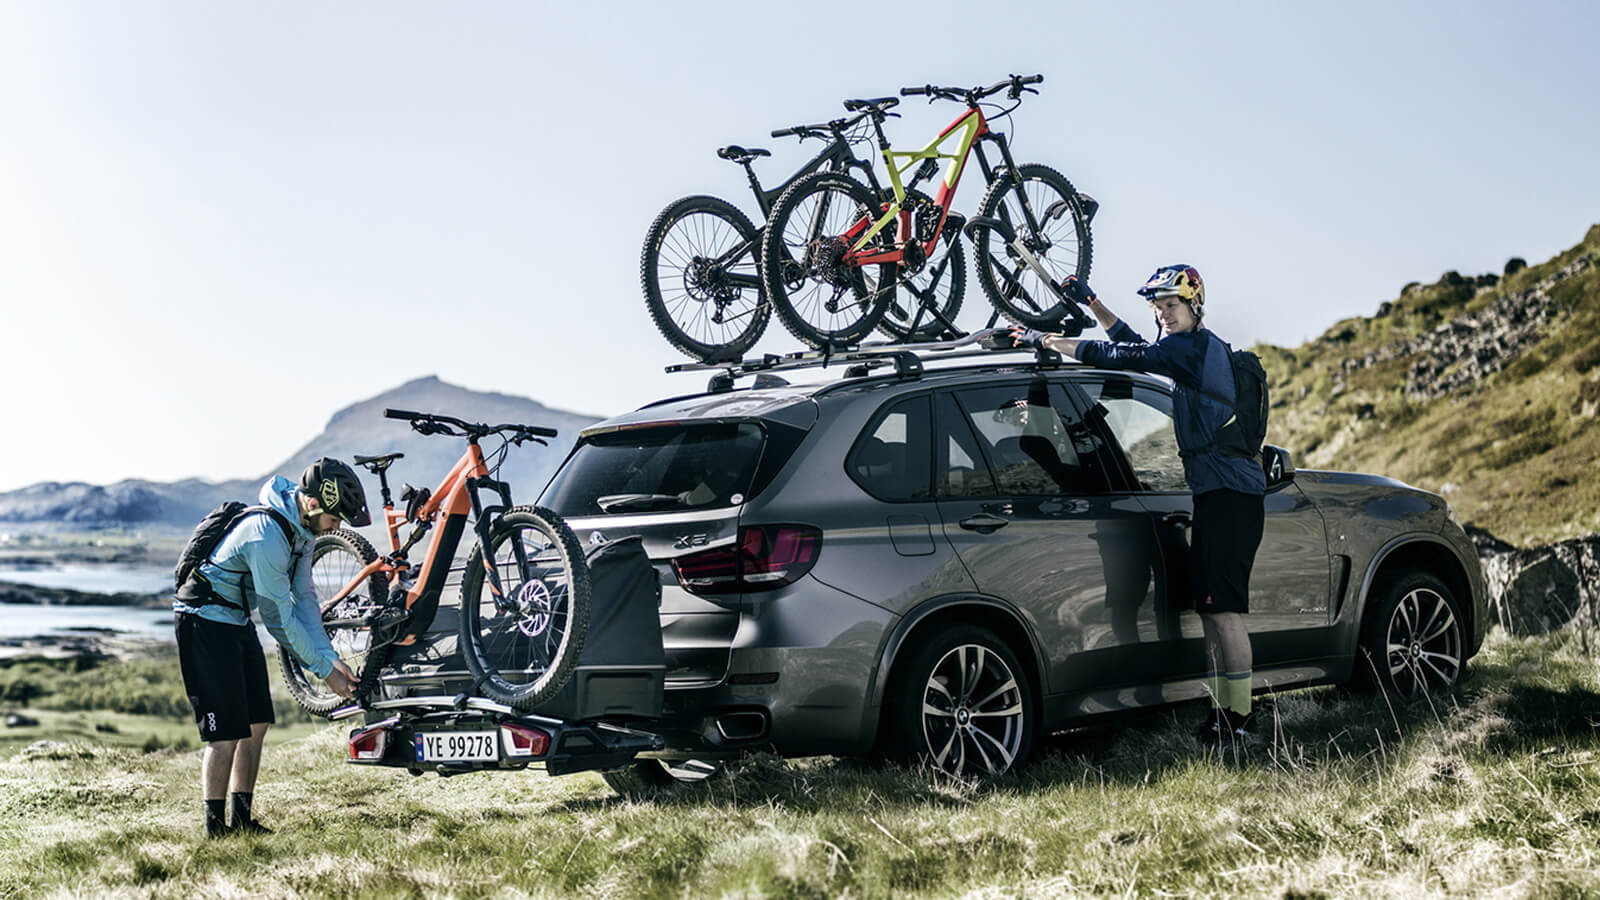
column 241, row 807
column 215, row 823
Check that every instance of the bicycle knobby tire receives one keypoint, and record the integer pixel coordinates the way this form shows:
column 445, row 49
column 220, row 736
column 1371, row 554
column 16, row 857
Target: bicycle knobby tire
column 522, row 648
column 335, row 559
column 685, row 285
column 1024, row 299
column 801, row 267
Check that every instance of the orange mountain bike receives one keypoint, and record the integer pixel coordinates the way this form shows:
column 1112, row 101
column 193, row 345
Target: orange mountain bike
column 524, row 593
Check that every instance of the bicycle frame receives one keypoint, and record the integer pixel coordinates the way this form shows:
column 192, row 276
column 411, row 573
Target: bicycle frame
column 836, row 157
column 967, row 132
column 455, row 498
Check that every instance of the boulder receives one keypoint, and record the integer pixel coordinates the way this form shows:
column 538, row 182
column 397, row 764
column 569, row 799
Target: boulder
column 1543, row 589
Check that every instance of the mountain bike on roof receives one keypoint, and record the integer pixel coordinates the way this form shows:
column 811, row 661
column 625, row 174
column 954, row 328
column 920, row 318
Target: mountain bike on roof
column 700, row 265
column 835, row 250
column 524, row 594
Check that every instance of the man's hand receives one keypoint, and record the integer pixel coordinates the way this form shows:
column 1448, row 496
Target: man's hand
column 1078, row 291
column 340, row 680
column 1028, row 337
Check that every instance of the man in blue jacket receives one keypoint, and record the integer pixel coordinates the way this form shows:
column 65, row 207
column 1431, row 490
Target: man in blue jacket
column 1228, row 511
column 259, row 565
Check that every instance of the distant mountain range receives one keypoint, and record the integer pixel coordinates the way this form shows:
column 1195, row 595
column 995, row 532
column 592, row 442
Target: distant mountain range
column 357, row 429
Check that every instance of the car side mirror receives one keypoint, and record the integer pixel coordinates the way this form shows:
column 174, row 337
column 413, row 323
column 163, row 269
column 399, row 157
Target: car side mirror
column 1277, row 466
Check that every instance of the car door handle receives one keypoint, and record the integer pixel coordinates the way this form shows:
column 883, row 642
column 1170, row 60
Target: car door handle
column 983, row 523
column 1178, row 518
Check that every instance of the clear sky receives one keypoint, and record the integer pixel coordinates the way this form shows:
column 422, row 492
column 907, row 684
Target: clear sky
column 222, row 222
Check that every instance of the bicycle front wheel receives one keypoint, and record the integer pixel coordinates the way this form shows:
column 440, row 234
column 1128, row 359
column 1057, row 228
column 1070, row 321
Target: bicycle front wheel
column 523, row 644
column 1044, row 211
column 701, row 281
column 336, row 559
column 823, row 298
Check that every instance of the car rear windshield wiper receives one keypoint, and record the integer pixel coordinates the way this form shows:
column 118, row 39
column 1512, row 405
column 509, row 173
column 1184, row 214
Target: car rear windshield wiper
column 622, row 502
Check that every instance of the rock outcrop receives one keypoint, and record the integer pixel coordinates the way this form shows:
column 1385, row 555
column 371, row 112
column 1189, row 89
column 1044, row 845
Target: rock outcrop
column 1464, row 351
column 1543, row 589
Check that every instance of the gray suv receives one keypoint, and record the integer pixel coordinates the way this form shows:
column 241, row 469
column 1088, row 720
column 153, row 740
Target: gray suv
column 944, row 563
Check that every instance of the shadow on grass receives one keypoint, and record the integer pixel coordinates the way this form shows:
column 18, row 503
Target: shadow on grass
column 1519, row 699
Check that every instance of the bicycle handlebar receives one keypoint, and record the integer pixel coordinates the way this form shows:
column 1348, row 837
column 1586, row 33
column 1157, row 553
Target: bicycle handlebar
column 438, row 423
column 821, row 129
column 1016, row 84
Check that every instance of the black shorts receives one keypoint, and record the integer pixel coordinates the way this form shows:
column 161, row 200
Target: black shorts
column 225, row 676
column 1222, row 549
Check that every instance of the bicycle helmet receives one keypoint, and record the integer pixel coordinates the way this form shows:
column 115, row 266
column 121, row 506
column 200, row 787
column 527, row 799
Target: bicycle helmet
column 337, row 488
column 1181, row 281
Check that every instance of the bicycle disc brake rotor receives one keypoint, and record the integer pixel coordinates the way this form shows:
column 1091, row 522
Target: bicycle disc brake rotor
column 534, row 608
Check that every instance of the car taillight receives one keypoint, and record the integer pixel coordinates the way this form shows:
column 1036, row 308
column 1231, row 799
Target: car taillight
column 368, row 744
column 520, row 740
column 764, row 557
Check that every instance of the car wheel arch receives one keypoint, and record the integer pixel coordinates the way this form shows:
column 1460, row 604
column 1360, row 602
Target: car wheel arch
column 965, row 609
column 1423, row 553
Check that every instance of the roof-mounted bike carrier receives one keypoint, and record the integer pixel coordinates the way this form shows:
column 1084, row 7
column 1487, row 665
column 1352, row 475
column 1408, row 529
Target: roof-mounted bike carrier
column 1075, row 316
column 907, row 359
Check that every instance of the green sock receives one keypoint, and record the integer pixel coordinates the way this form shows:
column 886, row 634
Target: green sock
column 1238, row 696
column 1216, row 684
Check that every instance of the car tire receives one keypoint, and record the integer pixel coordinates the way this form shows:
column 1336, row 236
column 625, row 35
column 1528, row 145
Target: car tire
column 645, row 778
column 960, row 702
column 1413, row 638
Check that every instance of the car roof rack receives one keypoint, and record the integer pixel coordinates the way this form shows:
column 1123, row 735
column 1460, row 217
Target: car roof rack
column 907, row 360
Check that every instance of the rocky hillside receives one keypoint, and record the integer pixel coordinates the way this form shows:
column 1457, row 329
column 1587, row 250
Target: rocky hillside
column 1484, row 388
column 356, row 429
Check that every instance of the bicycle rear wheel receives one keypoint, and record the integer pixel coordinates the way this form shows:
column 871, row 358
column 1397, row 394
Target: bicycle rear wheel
column 1061, row 244
column 701, row 280
column 337, row 558
column 521, row 647
column 822, row 298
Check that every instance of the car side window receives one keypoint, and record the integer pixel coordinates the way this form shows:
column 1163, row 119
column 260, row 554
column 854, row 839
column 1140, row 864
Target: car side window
column 963, row 472
column 891, row 459
column 1029, row 441
column 1139, row 417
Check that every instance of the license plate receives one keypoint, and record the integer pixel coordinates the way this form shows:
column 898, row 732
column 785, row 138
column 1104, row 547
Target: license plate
column 458, row 746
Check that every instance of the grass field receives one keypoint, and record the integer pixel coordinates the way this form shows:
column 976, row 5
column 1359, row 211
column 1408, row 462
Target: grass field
column 1492, row 791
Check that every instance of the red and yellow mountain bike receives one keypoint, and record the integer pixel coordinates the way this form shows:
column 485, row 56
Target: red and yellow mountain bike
column 834, row 250
column 524, row 592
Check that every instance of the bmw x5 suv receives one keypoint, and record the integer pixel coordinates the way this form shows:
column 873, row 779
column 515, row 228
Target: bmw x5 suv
column 944, row 563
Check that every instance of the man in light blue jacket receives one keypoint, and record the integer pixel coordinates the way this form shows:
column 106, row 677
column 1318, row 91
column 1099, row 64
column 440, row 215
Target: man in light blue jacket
column 262, row 563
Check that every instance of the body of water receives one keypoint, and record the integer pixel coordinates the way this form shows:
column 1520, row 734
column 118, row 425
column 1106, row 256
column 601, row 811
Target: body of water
column 29, row 620
column 98, row 579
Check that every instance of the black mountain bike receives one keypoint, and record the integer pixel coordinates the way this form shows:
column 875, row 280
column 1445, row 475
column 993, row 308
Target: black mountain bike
column 700, row 266
column 835, row 250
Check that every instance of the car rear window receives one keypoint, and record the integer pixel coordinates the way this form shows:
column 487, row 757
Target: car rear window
column 669, row 468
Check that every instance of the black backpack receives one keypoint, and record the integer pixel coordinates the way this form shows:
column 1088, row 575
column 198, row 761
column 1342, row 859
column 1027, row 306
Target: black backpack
column 193, row 588
column 1245, row 431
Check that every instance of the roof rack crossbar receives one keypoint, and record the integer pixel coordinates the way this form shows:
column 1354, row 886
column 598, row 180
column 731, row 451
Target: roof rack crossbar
column 907, row 360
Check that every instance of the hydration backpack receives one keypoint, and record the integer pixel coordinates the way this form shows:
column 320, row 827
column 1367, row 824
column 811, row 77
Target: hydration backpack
column 193, row 587
column 1245, row 431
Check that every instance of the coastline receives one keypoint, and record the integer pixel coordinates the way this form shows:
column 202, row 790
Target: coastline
column 89, row 642
column 12, row 592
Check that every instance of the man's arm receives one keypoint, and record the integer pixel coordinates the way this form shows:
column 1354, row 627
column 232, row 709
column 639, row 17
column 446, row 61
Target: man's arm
column 269, row 561
column 1116, row 329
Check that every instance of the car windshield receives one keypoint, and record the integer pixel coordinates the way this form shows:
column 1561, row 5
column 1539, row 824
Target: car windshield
column 661, row 468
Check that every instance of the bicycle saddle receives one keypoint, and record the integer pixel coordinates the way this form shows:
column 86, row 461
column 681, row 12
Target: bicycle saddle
column 376, row 464
column 739, row 154
column 878, row 103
